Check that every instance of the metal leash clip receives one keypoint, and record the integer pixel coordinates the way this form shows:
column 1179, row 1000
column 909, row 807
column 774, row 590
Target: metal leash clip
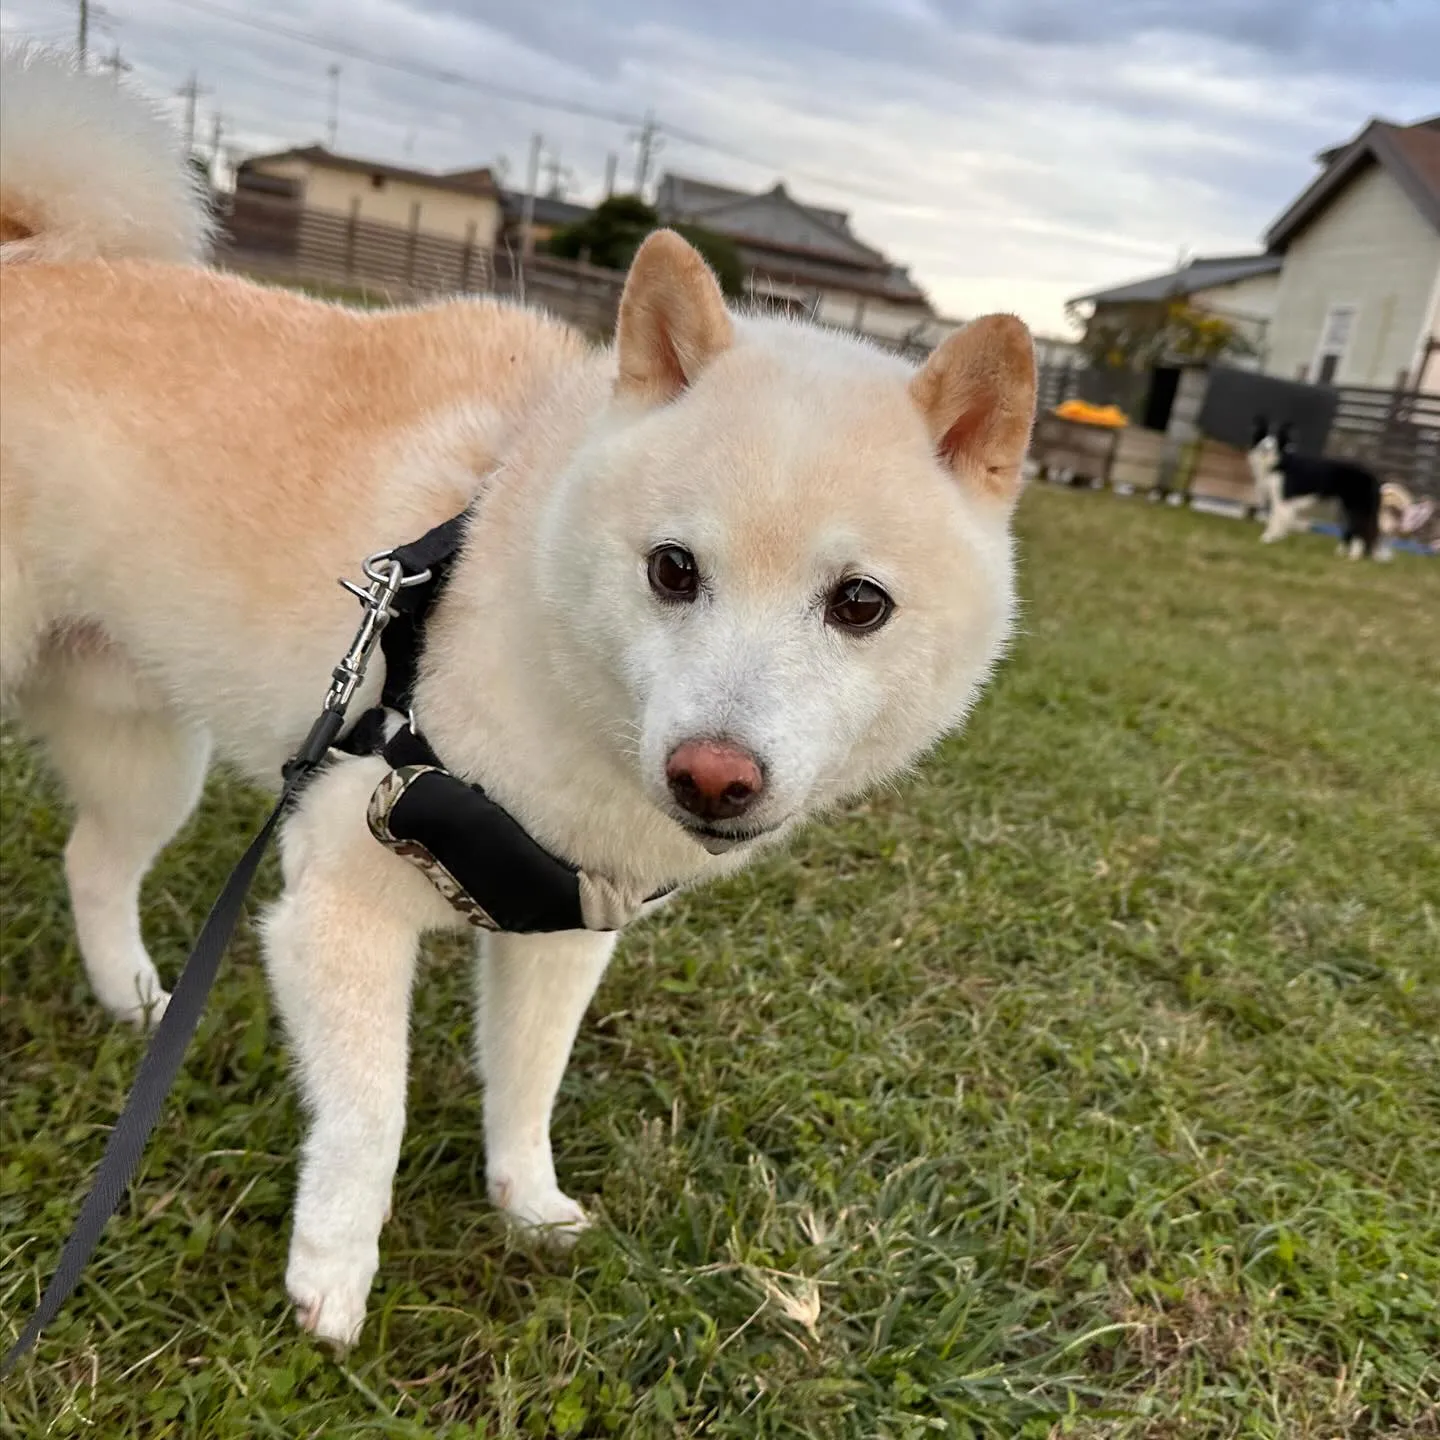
column 387, row 579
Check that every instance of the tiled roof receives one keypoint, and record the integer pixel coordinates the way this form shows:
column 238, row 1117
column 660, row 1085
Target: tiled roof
column 1409, row 153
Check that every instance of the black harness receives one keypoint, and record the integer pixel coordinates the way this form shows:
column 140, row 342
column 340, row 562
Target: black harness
column 479, row 857
column 476, row 854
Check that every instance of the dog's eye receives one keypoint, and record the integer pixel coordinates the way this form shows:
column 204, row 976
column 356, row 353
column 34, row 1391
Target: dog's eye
column 858, row 605
column 673, row 573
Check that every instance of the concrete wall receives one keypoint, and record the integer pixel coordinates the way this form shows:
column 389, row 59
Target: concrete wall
column 1372, row 249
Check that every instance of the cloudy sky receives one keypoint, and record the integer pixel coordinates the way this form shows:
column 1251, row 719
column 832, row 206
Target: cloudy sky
column 1012, row 152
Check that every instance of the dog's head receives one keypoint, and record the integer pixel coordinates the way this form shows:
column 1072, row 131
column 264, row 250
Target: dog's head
column 1396, row 503
column 784, row 556
column 1264, row 452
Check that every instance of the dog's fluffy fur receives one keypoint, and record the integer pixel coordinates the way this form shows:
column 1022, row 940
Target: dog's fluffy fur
column 1289, row 484
column 1409, row 517
column 189, row 463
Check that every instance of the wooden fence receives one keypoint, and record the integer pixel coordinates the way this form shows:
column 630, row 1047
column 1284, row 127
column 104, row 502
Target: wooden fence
column 276, row 236
column 1397, row 432
column 268, row 236
column 343, row 249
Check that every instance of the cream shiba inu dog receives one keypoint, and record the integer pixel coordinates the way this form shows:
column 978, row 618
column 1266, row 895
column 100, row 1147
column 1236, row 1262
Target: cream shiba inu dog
column 716, row 579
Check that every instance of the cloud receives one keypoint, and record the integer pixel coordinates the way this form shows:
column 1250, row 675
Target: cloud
column 1012, row 154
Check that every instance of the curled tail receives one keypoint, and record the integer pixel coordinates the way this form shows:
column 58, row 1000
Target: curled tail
column 89, row 168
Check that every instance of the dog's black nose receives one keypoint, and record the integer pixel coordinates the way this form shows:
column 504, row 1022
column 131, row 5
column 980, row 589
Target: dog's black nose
column 712, row 780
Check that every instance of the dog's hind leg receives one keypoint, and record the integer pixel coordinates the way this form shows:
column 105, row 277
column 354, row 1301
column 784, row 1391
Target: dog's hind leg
column 1368, row 537
column 534, row 990
column 134, row 771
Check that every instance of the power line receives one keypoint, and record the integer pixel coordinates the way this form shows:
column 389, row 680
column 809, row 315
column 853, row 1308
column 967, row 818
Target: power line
column 845, row 187
column 648, row 127
column 405, row 67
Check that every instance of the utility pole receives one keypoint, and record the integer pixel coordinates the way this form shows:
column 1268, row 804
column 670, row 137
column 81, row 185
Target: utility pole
column 83, row 34
column 557, row 173
column 332, row 128
column 647, row 143
column 217, row 128
column 610, row 163
column 191, row 92
column 527, row 223
column 115, row 63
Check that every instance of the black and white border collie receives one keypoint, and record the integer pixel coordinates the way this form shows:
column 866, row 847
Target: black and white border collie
column 1289, row 484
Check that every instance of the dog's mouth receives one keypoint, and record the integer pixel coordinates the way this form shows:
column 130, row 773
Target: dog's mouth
column 719, row 839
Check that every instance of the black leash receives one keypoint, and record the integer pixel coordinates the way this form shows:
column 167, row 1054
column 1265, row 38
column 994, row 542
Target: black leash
column 157, row 1074
column 480, row 858
column 391, row 575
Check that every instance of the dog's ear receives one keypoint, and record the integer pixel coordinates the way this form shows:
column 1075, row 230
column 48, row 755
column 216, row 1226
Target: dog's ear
column 976, row 394
column 1285, row 435
column 672, row 321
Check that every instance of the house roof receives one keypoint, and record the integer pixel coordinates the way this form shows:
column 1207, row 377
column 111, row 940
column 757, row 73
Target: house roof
column 682, row 192
column 465, row 182
column 1201, row 273
column 1410, row 154
column 806, row 270
column 549, row 209
column 760, row 218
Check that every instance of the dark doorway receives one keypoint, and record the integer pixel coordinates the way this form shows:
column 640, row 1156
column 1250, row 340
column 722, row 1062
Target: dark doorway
column 1164, row 382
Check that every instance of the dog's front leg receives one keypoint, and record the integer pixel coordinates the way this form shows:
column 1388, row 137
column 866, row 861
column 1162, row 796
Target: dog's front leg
column 340, row 949
column 533, row 993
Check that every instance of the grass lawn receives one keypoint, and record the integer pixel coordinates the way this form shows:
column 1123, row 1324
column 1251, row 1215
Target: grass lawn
column 1086, row 1085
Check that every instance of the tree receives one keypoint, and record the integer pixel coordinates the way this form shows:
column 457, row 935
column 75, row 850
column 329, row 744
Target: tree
column 611, row 233
column 1123, row 343
column 1136, row 337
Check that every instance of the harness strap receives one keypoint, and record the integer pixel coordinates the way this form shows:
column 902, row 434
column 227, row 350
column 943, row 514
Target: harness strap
column 403, row 636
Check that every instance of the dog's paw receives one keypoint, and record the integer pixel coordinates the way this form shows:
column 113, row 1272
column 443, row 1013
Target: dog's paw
column 329, row 1288
column 143, row 1015
column 548, row 1216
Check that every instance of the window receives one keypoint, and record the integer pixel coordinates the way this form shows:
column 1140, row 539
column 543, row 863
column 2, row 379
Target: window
column 1334, row 341
column 377, row 182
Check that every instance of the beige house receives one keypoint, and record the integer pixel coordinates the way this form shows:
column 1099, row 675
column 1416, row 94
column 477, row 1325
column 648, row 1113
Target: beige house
column 462, row 205
column 1359, row 295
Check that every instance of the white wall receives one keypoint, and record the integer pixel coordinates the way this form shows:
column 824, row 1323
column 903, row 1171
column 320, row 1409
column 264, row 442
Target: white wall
column 1252, row 298
column 847, row 311
column 1373, row 249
